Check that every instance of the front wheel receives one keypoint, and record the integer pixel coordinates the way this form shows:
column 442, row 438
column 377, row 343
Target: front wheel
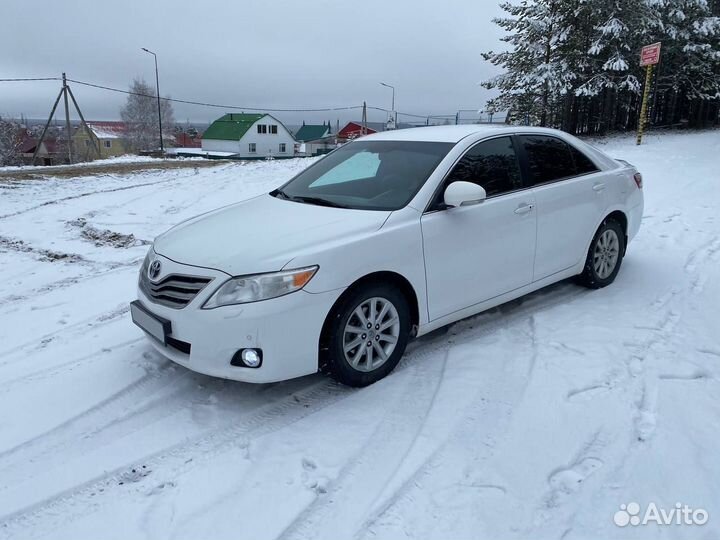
column 368, row 333
column 604, row 256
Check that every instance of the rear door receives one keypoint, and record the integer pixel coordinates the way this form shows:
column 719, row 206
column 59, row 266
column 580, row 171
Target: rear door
column 570, row 197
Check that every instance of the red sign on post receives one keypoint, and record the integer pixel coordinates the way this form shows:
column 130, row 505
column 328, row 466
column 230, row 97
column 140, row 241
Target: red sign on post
column 650, row 55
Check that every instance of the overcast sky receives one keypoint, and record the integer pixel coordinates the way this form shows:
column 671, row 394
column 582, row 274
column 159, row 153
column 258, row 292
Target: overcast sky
column 254, row 53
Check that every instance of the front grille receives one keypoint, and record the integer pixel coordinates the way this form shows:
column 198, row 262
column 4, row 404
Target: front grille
column 175, row 291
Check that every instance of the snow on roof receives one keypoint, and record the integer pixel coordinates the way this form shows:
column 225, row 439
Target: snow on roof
column 108, row 130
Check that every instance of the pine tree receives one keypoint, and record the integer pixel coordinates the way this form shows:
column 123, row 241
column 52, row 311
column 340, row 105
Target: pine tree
column 574, row 64
column 689, row 74
column 537, row 68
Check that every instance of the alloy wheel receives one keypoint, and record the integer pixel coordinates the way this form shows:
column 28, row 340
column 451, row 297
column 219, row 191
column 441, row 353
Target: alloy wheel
column 371, row 333
column 607, row 251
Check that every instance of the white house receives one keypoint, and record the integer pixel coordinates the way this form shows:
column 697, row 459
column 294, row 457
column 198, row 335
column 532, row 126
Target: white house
column 249, row 136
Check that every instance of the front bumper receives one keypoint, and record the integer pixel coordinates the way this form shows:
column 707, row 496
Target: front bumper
column 287, row 329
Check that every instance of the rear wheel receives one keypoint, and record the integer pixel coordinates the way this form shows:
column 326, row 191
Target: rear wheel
column 367, row 336
column 604, row 256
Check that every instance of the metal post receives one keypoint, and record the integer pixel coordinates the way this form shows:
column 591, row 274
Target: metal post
column 393, row 114
column 90, row 134
column 643, row 107
column 363, row 130
column 157, row 87
column 47, row 125
column 68, row 128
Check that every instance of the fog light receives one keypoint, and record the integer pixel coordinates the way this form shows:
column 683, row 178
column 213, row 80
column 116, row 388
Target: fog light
column 251, row 358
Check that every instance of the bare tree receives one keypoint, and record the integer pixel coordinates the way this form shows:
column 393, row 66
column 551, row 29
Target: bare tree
column 140, row 114
column 10, row 142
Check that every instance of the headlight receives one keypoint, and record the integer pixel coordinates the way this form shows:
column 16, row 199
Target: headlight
column 245, row 289
column 145, row 264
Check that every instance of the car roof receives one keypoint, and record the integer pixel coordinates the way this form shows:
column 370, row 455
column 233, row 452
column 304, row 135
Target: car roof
column 452, row 134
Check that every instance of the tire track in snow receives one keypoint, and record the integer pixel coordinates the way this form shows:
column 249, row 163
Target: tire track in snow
column 273, row 419
column 326, row 506
column 124, row 399
column 481, row 408
column 79, row 327
column 381, row 454
column 76, row 501
column 64, row 283
column 56, row 369
column 76, row 196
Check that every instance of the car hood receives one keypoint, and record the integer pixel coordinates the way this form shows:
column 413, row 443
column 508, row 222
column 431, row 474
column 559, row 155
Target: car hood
column 262, row 234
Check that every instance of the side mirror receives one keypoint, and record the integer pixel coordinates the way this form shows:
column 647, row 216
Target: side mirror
column 463, row 194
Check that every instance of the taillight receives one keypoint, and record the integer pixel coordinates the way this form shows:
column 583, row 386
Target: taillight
column 638, row 179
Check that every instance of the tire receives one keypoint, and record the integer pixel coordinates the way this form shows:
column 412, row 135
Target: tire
column 363, row 365
column 604, row 257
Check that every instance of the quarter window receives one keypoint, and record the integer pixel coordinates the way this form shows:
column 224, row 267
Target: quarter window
column 583, row 165
column 551, row 159
column 273, row 129
column 491, row 164
column 252, row 148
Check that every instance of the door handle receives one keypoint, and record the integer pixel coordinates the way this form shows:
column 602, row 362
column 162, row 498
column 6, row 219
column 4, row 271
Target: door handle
column 524, row 209
column 599, row 187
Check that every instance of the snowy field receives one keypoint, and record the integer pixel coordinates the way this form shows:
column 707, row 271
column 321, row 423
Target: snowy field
column 535, row 420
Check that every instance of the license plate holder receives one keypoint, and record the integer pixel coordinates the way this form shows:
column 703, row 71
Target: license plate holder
column 154, row 325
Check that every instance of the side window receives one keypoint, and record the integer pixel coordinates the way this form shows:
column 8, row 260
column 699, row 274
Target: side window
column 583, row 164
column 548, row 158
column 491, row 164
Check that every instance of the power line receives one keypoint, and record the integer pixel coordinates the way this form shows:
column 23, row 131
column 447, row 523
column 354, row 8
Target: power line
column 32, row 79
column 234, row 107
column 219, row 106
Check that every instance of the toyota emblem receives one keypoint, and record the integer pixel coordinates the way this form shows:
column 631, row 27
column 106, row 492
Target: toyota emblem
column 154, row 270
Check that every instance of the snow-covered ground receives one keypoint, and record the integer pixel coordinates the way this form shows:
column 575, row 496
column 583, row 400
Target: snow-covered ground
column 125, row 158
column 535, row 420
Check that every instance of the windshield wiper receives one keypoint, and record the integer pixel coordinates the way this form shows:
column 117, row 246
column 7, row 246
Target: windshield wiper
column 280, row 193
column 317, row 200
column 306, row 199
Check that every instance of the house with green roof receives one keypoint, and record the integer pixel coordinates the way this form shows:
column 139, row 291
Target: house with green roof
column 315, row 139
column 248, row 136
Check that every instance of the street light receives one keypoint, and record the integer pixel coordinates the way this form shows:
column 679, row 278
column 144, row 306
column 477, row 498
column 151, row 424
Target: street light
column 393, row 113
column 157, row 87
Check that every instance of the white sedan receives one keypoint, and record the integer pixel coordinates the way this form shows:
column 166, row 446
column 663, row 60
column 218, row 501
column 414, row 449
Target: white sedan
column 387, row 238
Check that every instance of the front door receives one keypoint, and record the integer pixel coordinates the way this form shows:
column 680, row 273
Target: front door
column 475, row 253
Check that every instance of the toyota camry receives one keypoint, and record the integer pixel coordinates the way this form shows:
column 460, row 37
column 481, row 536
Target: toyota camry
column 387, row 238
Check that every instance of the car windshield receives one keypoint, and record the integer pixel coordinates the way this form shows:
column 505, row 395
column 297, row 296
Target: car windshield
column 368, row 175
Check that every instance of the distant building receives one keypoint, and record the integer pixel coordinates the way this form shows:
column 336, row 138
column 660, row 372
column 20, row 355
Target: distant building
column 110, row 136
column 50, row 152
column 353, row 130
column 187, row 140
column 315, row 139
column 248, row 136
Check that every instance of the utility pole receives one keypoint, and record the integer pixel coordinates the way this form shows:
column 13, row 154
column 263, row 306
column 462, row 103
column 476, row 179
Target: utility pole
column 363, row 130
column 157, row 88
column 393, row 114
column 68, row 127
column 64, row 92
